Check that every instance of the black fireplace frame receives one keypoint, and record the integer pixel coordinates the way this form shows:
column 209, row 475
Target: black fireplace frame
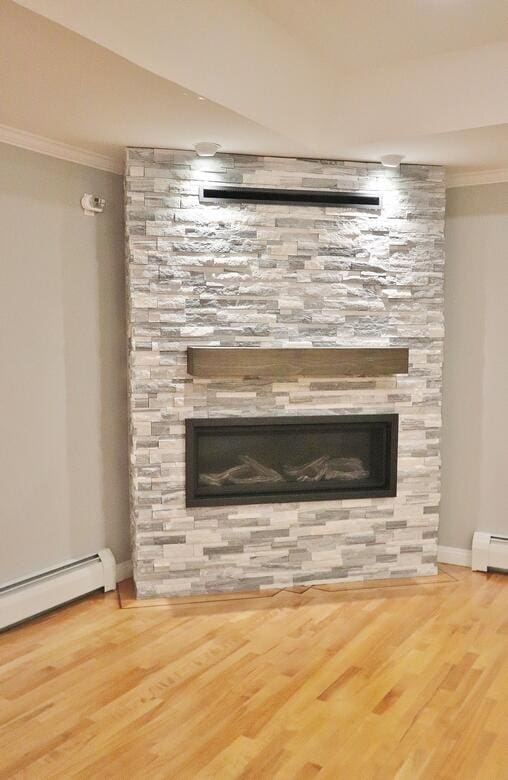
column 194, row 425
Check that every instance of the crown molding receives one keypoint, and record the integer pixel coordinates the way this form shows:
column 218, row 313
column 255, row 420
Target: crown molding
column 103, row 162
column 471, row 178
column 62, row 151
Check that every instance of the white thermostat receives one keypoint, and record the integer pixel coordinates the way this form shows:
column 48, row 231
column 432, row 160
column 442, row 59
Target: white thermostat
column 92, row 204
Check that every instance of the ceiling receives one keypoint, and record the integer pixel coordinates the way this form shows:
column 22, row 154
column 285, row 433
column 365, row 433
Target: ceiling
column 322, row 78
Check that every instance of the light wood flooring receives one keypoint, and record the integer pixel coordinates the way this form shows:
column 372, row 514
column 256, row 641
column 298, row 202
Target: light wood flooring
column 403, row 680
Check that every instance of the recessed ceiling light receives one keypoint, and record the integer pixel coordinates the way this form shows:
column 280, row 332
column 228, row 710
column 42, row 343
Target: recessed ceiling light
column 391, row 160
column 201, row 98
column 206, row 148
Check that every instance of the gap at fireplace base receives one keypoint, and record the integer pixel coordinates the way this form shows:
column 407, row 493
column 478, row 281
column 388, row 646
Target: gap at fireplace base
column 130, row 599
column 252, row 587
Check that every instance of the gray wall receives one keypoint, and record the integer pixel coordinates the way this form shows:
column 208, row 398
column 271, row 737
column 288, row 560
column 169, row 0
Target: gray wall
column 63, row 431
column 63, row 454
column 475, row 434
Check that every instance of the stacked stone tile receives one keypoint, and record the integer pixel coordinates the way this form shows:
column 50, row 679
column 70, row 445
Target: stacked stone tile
column 280, row 275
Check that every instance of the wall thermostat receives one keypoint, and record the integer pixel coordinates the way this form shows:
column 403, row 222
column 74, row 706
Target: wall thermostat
column 92, row 204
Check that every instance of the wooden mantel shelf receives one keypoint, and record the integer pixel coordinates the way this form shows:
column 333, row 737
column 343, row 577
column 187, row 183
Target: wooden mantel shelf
column 291, row 362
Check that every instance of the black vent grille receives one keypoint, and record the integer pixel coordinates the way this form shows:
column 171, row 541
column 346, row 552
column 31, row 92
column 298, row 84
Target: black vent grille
column 216, row 194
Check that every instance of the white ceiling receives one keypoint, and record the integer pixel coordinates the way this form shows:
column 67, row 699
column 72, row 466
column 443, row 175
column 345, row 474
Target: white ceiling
column 350, row 79
column 351, row 34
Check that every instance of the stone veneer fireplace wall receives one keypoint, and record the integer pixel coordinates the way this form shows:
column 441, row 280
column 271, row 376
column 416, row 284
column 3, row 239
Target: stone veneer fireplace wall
column 208, row 274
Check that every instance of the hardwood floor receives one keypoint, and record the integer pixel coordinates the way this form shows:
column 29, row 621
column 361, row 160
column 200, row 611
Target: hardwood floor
column 408, row 681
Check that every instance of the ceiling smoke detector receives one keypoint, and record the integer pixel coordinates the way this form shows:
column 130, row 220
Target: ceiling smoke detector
column 391, row 160
column 206, row 149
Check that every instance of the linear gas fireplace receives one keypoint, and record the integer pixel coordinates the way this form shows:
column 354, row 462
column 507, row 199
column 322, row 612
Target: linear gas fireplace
column 275, row 459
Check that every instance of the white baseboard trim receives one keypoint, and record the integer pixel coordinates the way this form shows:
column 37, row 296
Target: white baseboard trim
column 456, row 555
column 123, row 570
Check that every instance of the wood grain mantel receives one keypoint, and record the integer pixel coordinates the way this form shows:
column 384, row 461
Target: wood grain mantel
column 292, row 362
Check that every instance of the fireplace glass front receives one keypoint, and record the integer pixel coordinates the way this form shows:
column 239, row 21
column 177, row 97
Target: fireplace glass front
column 279, row 459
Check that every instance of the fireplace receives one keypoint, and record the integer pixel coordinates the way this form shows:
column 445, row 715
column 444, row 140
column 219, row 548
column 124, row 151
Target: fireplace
column 278, row 459
column 319, row 281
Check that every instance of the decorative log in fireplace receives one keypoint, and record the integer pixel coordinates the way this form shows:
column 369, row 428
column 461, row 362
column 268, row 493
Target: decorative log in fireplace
column 277, row 459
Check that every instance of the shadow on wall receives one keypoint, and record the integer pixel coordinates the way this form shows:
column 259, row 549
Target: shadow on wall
column 96, row 374
column 63, row 394
column 475, row 429
column 114, row 378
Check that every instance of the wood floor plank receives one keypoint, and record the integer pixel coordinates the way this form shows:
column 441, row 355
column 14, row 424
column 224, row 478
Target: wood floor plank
column 406, row 681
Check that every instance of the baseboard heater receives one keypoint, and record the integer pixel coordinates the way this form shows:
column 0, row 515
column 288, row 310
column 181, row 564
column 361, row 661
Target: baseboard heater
column 490, row 551
column 224, row 193
column 24, row 598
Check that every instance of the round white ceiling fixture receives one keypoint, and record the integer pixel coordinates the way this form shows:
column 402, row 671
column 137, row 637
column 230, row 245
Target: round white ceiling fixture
column 206, row 148
column 391, row 160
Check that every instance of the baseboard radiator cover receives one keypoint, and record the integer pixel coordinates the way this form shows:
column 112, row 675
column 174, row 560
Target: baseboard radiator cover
column 44, row 590
column 490, row 551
